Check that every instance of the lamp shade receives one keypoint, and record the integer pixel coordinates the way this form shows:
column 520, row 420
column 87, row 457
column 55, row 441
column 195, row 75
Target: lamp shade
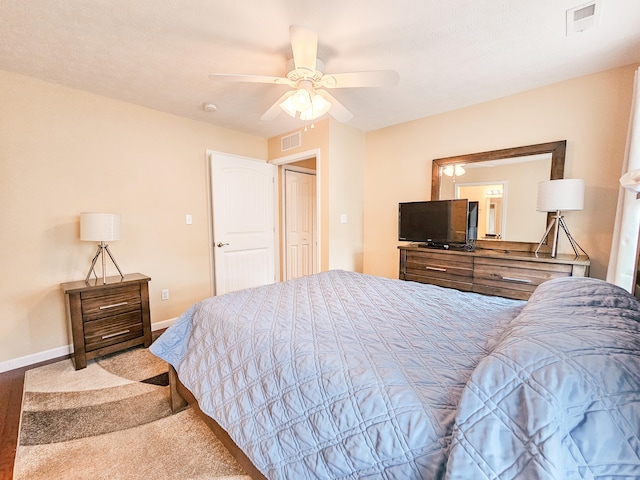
column 100, row 227
column 564, row 194
column 319, row 106
column 308, row 105
column 631, row 180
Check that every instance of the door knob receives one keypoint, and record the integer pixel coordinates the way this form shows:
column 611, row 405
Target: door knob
column 220, row 244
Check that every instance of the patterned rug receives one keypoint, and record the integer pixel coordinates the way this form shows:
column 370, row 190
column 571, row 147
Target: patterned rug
column 112, row 420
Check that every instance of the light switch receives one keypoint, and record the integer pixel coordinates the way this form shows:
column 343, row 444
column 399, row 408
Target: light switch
column 188, row 219
column 343, row 218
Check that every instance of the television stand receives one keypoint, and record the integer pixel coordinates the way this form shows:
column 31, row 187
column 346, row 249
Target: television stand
column 508, row 274
column 464, row 247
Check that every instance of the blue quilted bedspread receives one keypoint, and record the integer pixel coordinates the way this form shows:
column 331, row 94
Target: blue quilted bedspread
column 349, row 376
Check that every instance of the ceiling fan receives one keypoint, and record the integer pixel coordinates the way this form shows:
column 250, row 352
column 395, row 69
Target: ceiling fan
column 308, row 98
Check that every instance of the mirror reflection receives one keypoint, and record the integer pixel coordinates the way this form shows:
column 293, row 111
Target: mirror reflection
column 505, row 190
column 504, row 183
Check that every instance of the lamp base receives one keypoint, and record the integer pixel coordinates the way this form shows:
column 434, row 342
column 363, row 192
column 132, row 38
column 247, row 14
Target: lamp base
column 102, row 248
column 557, row 222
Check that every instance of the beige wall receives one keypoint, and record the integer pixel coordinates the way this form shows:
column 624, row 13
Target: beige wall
column 314, row 139
column 591, row 113
column 62, row 152
column 340, row 169
column 346, row 187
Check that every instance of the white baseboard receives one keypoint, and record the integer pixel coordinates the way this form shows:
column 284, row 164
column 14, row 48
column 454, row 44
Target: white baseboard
column 60, row 351
column 34, row 358
column 162, row 324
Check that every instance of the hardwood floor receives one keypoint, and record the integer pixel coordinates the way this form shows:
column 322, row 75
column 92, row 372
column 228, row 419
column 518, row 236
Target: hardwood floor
column 11, row 386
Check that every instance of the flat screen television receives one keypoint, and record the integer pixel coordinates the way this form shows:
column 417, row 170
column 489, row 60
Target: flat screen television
column 438, row 222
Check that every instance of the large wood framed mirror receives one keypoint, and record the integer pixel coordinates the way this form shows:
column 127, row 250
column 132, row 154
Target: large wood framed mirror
column 505, row 184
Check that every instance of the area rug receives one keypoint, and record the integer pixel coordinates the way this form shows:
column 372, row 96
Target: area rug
column 112, row 420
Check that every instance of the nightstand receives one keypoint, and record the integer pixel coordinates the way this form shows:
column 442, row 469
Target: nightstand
column 107, row 318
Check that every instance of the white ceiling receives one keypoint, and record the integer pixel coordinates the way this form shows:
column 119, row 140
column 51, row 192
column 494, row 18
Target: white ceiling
column 449, row 53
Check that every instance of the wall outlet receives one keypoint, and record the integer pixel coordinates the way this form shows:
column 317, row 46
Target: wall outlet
column 164, row 294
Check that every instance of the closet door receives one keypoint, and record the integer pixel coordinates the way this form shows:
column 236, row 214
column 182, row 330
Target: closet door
column 300, row 222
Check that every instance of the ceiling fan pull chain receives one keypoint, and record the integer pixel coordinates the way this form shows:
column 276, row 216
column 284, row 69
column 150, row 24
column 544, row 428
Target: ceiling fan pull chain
column 312, row 116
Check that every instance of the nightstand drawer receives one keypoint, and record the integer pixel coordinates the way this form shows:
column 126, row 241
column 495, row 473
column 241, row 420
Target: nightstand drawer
column 96, row 304
column 112, row 330
column 446, row 270
column 515, row 279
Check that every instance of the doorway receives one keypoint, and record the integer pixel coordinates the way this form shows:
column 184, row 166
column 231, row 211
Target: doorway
column 275, row 202
column 491, row 198
column 309, row 163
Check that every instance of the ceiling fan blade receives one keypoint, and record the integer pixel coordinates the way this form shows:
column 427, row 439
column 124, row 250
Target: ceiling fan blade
column 275, row 110
column 337, row 110
column 375, row 78
column 304, row 44
column 232, row 77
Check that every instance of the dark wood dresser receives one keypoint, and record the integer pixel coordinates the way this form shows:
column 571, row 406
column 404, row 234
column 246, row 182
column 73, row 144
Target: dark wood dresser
column 510, row 274
column 107, row 318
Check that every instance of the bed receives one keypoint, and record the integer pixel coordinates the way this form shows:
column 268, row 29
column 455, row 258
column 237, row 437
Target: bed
column 349, row 376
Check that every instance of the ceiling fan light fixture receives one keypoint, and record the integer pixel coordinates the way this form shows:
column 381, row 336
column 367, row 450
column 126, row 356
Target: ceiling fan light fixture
column 302, row 99
column 289, row 106
column 299, row 101
column 453, row 170
column 305, row 103
column 319, row 106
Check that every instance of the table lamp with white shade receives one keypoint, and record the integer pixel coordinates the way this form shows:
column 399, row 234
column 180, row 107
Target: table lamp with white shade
column 556, row 196
column 631, row 181
column 103, row 228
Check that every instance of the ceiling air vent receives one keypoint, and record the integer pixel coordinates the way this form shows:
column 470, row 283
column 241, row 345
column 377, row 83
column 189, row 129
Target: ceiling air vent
column 583, row 17
column 290, row 141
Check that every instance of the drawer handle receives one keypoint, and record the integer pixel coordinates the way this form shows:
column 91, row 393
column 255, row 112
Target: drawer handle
column 111, row 335
column 516, row 280
column 104, row 307
column 436, row 269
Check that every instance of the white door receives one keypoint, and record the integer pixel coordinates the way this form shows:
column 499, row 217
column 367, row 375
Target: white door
column 300, row 222
column 243, row 201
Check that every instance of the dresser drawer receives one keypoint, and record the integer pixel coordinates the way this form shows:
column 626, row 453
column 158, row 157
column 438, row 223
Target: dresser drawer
column 112, row 330
column 510, row 274
column 514, row 278
column 444, row 269
column 100, row 304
